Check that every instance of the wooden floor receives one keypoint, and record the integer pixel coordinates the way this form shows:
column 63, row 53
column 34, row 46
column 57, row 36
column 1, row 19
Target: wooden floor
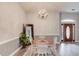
column 63, row 49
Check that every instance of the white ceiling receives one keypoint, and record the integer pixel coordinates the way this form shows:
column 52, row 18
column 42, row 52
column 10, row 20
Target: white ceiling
column 50, row 6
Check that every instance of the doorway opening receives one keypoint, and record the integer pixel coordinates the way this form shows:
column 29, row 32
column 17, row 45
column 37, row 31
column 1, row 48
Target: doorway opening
column 68, row 30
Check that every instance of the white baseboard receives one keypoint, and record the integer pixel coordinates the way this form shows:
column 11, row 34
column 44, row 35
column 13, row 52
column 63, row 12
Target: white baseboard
column 58, row 43
column 15, row 51
column 8, row 40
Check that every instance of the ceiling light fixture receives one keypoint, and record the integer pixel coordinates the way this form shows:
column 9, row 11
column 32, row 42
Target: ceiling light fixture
column 43, row 13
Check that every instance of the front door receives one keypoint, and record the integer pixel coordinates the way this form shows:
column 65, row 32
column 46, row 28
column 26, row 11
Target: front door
column 68, row 32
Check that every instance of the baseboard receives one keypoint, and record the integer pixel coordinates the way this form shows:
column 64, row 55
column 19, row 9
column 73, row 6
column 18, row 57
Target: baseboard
column 8, row 46
column 6, row 41
column 12, row 54
column 58, row 43
column 47, row 36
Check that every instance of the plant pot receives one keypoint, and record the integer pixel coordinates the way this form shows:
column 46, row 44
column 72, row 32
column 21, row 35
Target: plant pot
column 28, row 44
column 23, row 46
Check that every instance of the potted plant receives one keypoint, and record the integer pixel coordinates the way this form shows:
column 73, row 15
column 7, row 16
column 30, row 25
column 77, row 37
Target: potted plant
column 24, row 39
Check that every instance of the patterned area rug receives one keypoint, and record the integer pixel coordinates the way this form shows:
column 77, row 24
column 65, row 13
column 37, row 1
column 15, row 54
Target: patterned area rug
column 40, row 50
column 43, row 41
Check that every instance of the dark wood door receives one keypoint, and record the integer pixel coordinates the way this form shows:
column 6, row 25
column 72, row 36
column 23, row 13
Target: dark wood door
column 68, row 32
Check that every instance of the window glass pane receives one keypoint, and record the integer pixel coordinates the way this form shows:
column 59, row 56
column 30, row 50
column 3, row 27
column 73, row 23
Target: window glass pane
column 67, row 32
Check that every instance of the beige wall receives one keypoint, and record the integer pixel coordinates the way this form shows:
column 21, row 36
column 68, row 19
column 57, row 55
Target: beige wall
column 12, row 17
column 48, row 26
column 11, row 20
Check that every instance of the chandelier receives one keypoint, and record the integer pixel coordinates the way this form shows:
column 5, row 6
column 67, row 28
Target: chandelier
column 43, row 13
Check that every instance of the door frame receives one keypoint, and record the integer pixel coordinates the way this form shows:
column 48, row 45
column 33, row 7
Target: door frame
column 32, row 29
column 62, row 33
